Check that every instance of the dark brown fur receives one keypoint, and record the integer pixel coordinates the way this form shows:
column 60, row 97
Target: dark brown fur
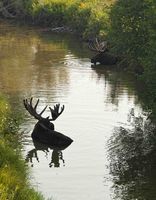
column 104, row 58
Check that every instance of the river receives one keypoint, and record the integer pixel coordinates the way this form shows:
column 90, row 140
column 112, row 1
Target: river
column 56, row 68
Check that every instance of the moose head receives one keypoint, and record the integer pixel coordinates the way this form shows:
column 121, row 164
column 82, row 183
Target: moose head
column 44, row 129
column 45, row 121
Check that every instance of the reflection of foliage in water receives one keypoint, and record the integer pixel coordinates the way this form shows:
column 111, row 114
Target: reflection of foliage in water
column 121, row 83
column 116, row 82
column 132, row 153
column 148, row 99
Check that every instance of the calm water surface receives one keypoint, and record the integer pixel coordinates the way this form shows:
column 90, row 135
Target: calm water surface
column 56, row 68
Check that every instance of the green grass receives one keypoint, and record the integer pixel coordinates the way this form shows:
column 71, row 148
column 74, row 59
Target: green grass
column 14, row 184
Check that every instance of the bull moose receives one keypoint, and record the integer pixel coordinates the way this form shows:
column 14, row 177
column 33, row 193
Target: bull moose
column 44, row 129
column 103, row 56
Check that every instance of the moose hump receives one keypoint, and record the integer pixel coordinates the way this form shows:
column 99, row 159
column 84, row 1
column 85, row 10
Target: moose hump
column 43, row 131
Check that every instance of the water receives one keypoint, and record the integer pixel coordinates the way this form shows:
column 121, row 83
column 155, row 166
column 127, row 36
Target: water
column 56, row 68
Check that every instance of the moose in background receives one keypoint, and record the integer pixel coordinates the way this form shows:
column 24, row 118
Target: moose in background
column 103, row 56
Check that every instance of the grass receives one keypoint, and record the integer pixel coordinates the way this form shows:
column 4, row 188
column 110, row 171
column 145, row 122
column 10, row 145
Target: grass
column 14, row 184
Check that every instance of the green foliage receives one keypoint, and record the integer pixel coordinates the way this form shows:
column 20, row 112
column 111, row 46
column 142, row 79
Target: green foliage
column 149, row 59
column 133, row 35
column 4, row 113
column 86, row 17
column 77, row 16
column 128, row 32
column 133, row 30
column 98, row 24
column 49, row 14
column 13, row 171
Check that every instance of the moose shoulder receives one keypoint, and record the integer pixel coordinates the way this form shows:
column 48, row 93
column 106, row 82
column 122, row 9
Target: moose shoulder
column 44, row 129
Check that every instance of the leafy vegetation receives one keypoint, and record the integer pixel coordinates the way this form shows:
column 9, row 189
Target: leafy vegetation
column 13, row 171
column 86, row 17
column 133, row 34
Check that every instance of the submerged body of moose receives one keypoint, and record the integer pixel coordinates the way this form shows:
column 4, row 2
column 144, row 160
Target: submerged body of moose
column 44, row 129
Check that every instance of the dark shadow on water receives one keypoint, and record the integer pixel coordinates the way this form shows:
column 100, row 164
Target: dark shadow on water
column 132, row 154
column 56, row 155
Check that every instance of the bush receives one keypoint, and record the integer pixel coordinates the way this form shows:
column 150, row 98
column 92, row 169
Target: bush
column 133, row 34
column 128, row 31
column 89, row 18
column 77, row 16
column 49, row 14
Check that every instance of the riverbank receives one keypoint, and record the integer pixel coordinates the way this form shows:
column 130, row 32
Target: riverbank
column 14, row 184
column 88, row 18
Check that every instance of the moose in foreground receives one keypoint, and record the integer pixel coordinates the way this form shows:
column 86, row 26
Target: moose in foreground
column 44, row 129
column 103, row 56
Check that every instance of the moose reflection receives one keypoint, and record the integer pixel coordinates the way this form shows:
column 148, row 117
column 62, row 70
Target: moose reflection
column 132, row 153
column 56, row 156
column 44, row 130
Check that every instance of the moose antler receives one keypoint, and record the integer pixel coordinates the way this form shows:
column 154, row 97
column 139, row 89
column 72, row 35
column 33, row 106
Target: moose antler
column 55, row 111
column 32, row 110
column 97, row 46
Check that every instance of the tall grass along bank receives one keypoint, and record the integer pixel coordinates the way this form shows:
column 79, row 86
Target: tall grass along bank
column 14, row 184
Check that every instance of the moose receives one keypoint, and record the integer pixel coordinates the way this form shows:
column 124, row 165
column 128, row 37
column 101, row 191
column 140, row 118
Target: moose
column 103, row 56
column 43, row 131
